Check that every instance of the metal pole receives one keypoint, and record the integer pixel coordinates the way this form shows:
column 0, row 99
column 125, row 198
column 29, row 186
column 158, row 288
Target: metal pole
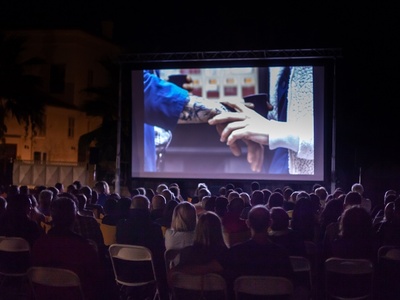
column 117, row 188
column 333, row 157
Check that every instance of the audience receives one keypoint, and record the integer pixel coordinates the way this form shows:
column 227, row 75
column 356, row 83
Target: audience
column 343, row 224
column 234, row 227
column 45, row 198
column 82, row 210
column 365, row 202
column 111, row 213
column 288, row 204
column 256, row 198
column 139, row 229
column 388, row 232
column 103, row 191
column 60, row 187
column 62, row 247
column 304, row 220
column 329, row 214
column 91, row 201
column 181, row 232
column 258, row 255
column 35, row 213
column 17, row 221
column 356, row 237
column 275, row 200
column 280, row 233
column 322, row 194
column 87, row 226
column 157, row 206
column 221, row 206
column 332, row 230
column 207, row 249
column 165, row 220
column 124, row 204
column 378, row 215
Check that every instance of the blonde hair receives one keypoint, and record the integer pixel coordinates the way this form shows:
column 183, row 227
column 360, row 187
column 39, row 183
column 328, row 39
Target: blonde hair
column 184, row 217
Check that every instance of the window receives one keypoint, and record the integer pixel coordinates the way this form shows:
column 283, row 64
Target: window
column 71, row 127
column 57, row 78
column 37, row 156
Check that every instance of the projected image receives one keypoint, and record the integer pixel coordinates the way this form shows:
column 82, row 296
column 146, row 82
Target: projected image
column 239, row 123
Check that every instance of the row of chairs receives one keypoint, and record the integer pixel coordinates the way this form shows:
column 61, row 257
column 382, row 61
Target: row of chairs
column 185, row 286
column 16, row 273
column 133, row 266
column 345, row 278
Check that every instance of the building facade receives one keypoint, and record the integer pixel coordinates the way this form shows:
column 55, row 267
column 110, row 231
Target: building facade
column 71, row 65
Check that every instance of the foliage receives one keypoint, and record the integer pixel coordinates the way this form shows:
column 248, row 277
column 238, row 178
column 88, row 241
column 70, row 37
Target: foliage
column 21, row 96
column 103, row 101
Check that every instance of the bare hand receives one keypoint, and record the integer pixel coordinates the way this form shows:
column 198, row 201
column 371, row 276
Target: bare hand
column 255, row 151
column 255, row 155
column 245, row 123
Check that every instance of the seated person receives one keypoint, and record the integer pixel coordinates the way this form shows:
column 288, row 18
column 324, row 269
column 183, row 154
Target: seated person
column 258, row 255
column 208, row 245
column 282, row 234
column 62, row 247
column 139, row 229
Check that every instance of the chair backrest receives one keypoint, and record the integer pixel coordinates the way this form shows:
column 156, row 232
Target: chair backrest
column 302, row 273
column 312, row 253
column 14, row 244
column 388, row 272
column 300, row 264
column 349, row 278
column 44, row 282
column 389, row 252
column 132, row 264
column 207, row 286
column 263, row 286
column 109, row 233
column 14, row 256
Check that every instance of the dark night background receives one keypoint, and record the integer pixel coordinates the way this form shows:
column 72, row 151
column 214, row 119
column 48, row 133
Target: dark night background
column 367, row 76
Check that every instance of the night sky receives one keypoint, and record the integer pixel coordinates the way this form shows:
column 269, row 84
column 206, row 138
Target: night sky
column 367, row 33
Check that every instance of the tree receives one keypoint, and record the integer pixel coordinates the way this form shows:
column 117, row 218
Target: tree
column 104, row 103
column 21, row 96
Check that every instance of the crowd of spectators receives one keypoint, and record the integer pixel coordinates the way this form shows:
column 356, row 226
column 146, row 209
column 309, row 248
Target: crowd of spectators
column 231, row 231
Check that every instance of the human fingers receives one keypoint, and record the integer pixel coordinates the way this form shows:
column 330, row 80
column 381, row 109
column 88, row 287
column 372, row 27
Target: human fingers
column 255, row 155
column 230, row 129
column 188, row 86
column 226, row 117
column 234, row 147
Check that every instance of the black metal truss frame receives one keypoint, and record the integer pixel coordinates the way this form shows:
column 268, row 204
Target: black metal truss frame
column 242, row 55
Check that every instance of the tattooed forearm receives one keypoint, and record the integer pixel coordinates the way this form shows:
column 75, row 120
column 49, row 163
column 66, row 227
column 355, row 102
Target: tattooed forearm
column 199, row 110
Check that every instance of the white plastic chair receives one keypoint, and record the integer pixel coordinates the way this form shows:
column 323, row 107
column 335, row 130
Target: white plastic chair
column 349, row 278
column 133, row 266
column 14, row 261
column 208, row 286
column 51, row 278
column 302, row 267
